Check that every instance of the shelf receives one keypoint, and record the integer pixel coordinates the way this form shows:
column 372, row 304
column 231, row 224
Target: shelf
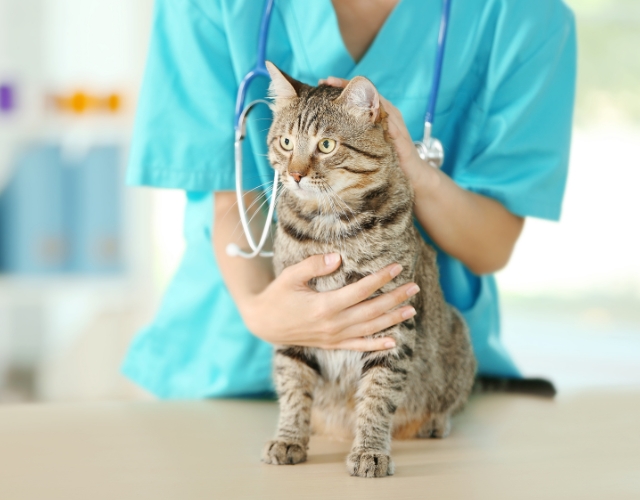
column 39, row 287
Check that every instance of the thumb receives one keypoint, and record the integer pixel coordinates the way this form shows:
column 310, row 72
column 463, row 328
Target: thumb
column 312, row 267
column 333, row 81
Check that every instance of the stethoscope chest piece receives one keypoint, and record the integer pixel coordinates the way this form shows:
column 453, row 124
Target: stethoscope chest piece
column 430, row 149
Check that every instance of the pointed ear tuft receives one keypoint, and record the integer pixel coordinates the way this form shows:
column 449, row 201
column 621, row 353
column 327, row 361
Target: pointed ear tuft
column 361, row 97
column 283, row 88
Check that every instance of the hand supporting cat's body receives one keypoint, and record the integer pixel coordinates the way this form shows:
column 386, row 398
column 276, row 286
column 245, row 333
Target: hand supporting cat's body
column 356, row 201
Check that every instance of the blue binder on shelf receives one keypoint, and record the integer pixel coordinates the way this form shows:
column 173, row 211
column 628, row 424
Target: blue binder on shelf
column 34, row 231
column 58, row 217
column 96, row 212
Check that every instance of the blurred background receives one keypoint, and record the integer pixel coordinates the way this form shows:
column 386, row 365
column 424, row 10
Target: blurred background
column 83, row 260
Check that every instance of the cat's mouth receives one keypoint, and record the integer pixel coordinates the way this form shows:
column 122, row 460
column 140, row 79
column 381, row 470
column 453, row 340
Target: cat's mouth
column 303, row 189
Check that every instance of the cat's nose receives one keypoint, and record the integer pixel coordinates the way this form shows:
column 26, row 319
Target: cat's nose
column 297, row 176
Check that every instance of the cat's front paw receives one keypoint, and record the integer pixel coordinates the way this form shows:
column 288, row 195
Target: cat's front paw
column 369, row 464
column 284, row 453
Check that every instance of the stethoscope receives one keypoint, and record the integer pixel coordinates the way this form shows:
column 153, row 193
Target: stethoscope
column 429, row 148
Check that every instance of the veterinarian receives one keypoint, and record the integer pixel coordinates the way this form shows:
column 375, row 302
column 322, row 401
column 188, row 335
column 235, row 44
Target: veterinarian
column 503, row 115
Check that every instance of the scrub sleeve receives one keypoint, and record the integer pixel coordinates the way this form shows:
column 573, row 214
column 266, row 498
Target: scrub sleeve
column 504, row 117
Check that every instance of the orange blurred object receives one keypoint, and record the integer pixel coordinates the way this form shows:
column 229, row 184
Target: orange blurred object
column 114, row 103
column 81, row 102
column 78, row 102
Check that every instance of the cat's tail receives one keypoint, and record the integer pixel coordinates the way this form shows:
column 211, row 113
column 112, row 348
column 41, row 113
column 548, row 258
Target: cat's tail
column 533, row 386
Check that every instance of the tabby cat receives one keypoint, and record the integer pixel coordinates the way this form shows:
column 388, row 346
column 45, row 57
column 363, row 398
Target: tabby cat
column 344, row 192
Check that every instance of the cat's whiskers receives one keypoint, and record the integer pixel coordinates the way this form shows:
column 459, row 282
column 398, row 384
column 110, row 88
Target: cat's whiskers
column 266, row 199
column 263, row 199
column 247, row 209
column 235, row 203
column 279, row 192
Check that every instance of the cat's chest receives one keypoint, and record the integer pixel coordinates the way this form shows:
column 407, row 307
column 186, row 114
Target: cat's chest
column 339, row 366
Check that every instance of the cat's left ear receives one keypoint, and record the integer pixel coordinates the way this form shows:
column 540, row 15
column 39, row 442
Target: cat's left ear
column 361, row 97
column 283, row 89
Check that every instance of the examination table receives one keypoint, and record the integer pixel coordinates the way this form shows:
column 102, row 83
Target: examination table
column 578, row 446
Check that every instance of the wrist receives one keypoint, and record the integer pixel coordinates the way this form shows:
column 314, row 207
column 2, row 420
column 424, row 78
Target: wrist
column 248, row 306
column 425, row 180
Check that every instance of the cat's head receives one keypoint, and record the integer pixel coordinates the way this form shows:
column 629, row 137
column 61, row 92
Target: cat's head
column 327, row 141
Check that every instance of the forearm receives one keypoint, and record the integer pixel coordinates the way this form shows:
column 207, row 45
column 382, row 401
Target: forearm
column 475, row 229
column 245, row 278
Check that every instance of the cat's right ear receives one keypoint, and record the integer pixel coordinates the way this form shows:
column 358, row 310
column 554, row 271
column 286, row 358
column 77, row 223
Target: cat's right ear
column 283, row 89
column 362, row 99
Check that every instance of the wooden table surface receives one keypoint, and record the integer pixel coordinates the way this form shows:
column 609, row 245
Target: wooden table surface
column 583, row 446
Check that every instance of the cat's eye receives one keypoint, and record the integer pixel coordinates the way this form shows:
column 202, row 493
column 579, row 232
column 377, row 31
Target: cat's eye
column 327, row 145
column 286, row 143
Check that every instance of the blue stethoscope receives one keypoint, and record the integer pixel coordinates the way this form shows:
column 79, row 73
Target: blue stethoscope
column 429, row 148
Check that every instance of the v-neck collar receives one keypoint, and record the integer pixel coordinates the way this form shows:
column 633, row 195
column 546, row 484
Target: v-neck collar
column 399, row 61
column 381, row 34
column 322, row 48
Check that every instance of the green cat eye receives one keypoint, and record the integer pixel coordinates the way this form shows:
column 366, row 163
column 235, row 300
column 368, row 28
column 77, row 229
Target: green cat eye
column 286, row 143
column 327, row 145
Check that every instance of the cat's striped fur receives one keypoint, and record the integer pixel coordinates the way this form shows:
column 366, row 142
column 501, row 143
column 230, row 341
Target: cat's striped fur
column 356, row 201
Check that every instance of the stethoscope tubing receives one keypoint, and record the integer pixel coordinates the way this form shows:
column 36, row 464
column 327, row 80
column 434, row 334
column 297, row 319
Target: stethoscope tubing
column 260, row 68
column 233, row 249
column 241, row 113
column 437, row 73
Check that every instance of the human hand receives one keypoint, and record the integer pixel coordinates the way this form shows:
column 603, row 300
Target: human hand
column 289, row 312
column 417, row 170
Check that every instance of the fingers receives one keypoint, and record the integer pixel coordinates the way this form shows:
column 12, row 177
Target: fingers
column 399, row 133
column 378, row 324
column 366, row 345
column 371, row 309
column 397, row 127
column 388, row 107
column 395, row 120
column 334, row 82
column 357, row 292
column 311, row 267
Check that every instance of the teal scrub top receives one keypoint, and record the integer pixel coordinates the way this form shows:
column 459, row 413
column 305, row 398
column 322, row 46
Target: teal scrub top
column 504, row 116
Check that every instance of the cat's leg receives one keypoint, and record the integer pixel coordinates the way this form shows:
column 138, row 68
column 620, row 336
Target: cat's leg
column 438, row 426
column 459, row 377
column 380, row 393
column 295, row 375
